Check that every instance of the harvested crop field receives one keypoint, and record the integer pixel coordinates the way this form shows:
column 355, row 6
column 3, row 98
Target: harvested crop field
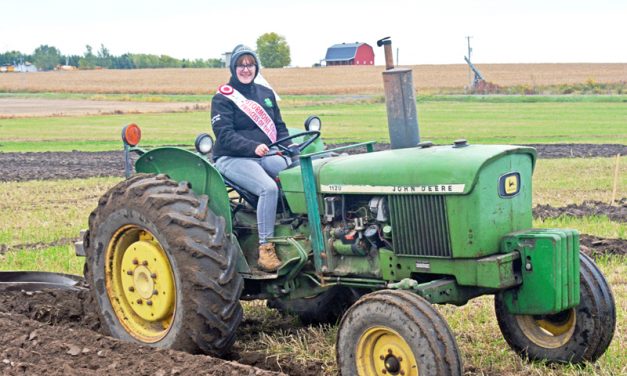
column 328, row 80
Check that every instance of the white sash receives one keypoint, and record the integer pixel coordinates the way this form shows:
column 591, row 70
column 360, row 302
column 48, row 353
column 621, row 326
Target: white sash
column 255, row 112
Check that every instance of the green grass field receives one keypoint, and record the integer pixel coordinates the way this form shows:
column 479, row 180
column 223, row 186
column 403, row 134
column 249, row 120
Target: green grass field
column 442, row 120
column 38, row 219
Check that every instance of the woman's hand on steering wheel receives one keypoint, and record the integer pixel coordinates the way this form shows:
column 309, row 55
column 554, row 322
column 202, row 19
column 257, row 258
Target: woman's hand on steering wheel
column 292, row 148
column 261, row 150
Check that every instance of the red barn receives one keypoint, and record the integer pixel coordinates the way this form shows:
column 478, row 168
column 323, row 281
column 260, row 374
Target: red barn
column 350, row 54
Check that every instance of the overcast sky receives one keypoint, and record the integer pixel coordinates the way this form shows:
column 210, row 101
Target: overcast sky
column 424, row 32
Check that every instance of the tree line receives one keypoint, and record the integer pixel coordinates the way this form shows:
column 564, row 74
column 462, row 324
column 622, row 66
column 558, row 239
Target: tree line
column 48, row 58
column 272, row 49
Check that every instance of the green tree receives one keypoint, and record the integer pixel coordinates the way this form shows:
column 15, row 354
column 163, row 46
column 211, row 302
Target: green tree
column 13, row 57
column 72, row 60
column 273, row 51
column 46, row 57
column 89, row 60
column 104, row 57
column 214, row 63
column 123, row 62
column 166, row 61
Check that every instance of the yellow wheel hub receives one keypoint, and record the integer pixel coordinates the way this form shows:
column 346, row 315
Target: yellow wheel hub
column 549, row 331
column 140, row 283
column 382, row 351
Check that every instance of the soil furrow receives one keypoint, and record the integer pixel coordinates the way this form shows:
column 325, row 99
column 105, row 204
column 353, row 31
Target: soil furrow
column 80, row 165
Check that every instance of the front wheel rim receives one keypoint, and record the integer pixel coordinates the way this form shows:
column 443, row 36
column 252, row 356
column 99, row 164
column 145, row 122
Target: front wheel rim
column 140, row 283
column 382, row 351
column 549, row 331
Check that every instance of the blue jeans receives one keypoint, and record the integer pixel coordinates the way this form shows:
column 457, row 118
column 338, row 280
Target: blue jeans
column 256, row 175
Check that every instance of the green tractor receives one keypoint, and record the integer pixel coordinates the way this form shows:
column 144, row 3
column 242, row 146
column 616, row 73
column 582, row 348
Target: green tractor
column 371, row 240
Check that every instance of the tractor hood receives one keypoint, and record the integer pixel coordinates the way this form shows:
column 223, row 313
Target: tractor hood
column 432, row 170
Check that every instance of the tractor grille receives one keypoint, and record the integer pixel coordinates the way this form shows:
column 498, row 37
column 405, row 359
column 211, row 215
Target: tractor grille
column 419, row 225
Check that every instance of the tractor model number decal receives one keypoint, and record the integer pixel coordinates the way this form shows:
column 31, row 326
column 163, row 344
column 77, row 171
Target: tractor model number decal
column 393, row 189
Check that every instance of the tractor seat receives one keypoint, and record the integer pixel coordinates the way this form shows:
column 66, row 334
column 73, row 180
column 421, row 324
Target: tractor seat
column 250, row 198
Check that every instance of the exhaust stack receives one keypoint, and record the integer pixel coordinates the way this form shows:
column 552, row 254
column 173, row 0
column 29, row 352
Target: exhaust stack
column 400, row 101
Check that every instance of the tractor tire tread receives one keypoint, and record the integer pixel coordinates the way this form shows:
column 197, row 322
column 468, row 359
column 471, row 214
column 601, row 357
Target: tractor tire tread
column 209, row 272
column 428, row 324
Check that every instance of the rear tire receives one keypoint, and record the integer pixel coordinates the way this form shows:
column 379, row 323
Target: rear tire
column 576, row 335
column 396, row 333
column 161, row 268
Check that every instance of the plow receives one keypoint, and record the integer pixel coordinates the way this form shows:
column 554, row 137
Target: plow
column 31, row 281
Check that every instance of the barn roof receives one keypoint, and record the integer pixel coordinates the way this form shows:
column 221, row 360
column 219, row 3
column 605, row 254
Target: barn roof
column 342, row 52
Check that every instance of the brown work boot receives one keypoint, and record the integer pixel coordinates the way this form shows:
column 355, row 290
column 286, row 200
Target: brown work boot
column 268, row 259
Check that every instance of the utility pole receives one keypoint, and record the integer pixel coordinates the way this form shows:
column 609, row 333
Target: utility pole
column 470, row 80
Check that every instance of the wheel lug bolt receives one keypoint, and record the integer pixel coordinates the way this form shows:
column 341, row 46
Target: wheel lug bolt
column 130, row 272
column 155, row 292
column 145, row 263
column 131, row 289
column 382, row 357
column 149, row 302
column 384, row 371
column 400, row 358
column 402, row 372
column 153, row 275
column 390, row 351
column 135, row 262
column 139, row 301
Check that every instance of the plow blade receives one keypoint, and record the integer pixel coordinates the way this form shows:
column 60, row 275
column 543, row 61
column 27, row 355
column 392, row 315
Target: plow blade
column 31, row 281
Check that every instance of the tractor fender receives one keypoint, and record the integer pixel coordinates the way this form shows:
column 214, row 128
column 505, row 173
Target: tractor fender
column 183, row 165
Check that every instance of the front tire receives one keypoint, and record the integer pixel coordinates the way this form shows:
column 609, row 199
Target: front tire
column 161, row 268
column 575, row 335
column 393, row 332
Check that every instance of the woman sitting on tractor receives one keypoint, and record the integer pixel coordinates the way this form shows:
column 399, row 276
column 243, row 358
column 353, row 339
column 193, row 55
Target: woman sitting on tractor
column 246, row 119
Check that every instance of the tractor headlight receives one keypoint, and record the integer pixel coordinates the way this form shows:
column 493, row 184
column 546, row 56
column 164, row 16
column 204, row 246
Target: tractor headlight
column 313, row 123
column 204, row 143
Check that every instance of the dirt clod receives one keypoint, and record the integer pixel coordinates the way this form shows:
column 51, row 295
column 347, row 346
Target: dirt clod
column 67, row 351
column 616, row 212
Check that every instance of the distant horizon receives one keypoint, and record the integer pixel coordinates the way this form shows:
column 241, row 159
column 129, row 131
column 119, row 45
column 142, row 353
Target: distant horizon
column 96, row 48
column 294, row 66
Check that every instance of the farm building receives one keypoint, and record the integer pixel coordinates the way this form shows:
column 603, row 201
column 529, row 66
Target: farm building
column 350, row 54
column 22, row 67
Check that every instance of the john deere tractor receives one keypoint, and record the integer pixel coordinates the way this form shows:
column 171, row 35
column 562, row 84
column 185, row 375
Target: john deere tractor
column 371, row 240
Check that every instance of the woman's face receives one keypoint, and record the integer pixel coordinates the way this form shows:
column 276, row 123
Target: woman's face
column 245, row 69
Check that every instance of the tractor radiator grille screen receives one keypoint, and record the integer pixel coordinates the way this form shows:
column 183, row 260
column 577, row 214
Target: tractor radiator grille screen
column 419, row 225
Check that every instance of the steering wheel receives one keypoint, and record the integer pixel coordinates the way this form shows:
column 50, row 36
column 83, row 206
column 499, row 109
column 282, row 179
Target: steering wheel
column 296, row 149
